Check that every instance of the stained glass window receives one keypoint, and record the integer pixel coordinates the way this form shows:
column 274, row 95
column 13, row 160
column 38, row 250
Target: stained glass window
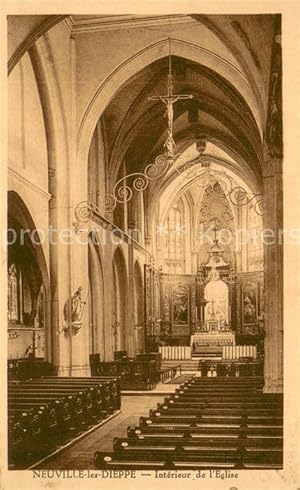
column 174, row 239
column 12, row 307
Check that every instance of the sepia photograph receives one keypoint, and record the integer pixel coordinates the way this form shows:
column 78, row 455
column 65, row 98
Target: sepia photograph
column 145, row 236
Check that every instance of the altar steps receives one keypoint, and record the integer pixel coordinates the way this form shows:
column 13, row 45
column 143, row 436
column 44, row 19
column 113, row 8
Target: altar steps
column 186, row 364
column 210, row 350
column 206, row 357
column 207, row 353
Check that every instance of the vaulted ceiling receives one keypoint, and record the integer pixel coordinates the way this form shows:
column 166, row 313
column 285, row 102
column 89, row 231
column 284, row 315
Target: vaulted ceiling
column 231, row 116
column 136, row 126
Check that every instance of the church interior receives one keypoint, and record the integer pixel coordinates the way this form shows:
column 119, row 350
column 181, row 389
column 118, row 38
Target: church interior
column 144, row 260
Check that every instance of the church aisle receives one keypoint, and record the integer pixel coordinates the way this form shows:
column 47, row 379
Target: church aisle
column 80, row 455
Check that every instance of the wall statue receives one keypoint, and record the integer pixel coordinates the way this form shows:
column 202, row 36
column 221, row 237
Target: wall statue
column 73, row 311
column 77, row 306
column 216, row 296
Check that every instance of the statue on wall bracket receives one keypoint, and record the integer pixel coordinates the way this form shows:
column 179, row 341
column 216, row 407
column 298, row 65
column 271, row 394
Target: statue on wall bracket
column 73, row 312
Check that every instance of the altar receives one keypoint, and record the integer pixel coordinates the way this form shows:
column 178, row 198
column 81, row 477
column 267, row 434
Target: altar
column 212, row 334
column 213, row 329
column 212, row 339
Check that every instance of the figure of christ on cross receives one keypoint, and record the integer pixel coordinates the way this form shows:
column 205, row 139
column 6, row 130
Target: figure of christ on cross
column 169, row 100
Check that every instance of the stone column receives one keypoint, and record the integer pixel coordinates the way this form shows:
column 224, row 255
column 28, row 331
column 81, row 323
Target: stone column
column 131, row 305
column 96, row 299
column 56, row 133
column 78, row 188
column 273, row 275
column 273, row 220
column 79, row 277
column 108, row 279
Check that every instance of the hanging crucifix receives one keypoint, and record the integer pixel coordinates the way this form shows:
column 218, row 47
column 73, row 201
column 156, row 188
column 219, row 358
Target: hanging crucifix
column 169, row 100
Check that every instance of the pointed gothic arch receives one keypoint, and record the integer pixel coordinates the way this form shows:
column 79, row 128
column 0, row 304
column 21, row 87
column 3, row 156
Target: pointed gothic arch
column 146, row 56
column 120, row 299
column 31, row 285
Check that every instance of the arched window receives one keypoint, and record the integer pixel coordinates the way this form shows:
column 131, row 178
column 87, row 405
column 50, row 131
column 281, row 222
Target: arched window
column 174, row 256
column 13, row 290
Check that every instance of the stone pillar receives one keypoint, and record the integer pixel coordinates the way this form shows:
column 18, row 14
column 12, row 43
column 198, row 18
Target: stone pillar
column 96, row 299
column 273, row 221
column 56, row 133
column 141, row 220
column 273, row 275
column 109, row 306
column 78, row 188
column 79, row 277
column 131, row 305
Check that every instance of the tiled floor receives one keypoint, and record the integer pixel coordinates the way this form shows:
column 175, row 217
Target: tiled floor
column 80, row 454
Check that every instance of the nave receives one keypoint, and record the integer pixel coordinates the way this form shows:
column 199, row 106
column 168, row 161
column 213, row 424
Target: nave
column 138, row 261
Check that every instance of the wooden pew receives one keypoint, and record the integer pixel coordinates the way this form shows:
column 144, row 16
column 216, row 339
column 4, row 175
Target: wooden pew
column 138, row 436
column 82, row 388
column 148, row 427
column 198, row 434
column 22, row 369
column 45, row 394
column 133, row 374
column 92, row 393
column 134, row 449
column 212, row 408
column 154, row 461
column 269, row 418
column 205, row 424
column 33, row 431
column 226, row 382
column 113, row 383
column 65, row 406
column 184, row 460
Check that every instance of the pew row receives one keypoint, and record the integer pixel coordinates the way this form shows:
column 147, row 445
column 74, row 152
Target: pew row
column 206, row 423
column 46, row 413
